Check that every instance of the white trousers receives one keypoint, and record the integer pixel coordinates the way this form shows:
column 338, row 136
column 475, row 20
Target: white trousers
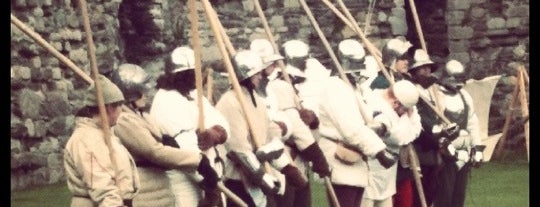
column 185, row 188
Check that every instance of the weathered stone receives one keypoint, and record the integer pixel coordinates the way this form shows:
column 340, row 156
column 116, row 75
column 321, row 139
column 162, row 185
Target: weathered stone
column 291, row 4
column 78, row 56
column 29, row 124
column 37, row 12
column 56, row 104
column 496, row 23
column 478, row 12
column 458, row 46
column 33, row 3
column 73, row 20
column 21, row 72
column 457, row 32
column 276, row 21
column 30, row 103
column 517, row 11
column 40, row 128
column 458, row 5
column 513, row 22
column 19, row 3
column 462, row 57
column 58, row 126
column 454, row 17
column 48, row 146
column 36, row 62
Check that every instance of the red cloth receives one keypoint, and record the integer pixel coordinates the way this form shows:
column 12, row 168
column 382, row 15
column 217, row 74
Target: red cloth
column 404, row 193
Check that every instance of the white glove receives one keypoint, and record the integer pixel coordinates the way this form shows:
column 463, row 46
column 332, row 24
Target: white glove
column 478, row 156
column 462, row 155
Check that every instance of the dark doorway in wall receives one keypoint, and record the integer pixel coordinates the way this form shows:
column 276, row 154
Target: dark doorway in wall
column 431, row 14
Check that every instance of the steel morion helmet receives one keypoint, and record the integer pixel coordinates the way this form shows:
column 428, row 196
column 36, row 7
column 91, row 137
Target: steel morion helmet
column 421, row 58
column 393, row 50
column 296, row 52
column 264, row 48
column 132, row 80
column 351, row 54
column 453, row 75
column 111, row 93
column 406, row 93
column 246, row 64
column 181, row 59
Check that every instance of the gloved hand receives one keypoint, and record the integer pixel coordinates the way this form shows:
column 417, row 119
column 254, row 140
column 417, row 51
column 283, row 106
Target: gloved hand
column 314, row 154
column 210, row 137
column 293, row 176
column 477, row 155
column 210, row 176
column 282, row 126
column 386, row 158
column 379, row 128
column 269, row 184
column 447, row 150
column 211, row 198
column 309, row 118
column 450, row 131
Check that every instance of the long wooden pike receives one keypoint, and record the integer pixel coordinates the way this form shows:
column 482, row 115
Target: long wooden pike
column 196, row 44
column 195, row 41
column 272, row 40
column 417, row 24
column 42, row 42
column 99, row 95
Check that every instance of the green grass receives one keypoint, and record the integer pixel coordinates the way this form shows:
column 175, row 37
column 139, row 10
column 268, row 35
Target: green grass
column 497, row 183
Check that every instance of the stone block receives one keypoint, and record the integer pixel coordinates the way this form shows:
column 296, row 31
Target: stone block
column 398, row 25
column 454, row 17
column 276, row 21
column 37, row 12
column 458, row 4
column 478, row 12
column 19, row 4
column 78, row 56
column 462, row 57
column 289, row 4
column 458, row 46
column 30, row 103
column 58, row 99
column 513, row 22
column 517, row 11
column 460, row 33
column 496, row 23
column 21, row 72
column 36, row 62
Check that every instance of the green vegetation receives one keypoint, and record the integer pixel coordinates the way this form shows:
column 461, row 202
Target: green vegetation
column 497, row 183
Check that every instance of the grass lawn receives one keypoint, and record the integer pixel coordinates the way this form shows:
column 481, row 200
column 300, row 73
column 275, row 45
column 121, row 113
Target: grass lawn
column 497, row 183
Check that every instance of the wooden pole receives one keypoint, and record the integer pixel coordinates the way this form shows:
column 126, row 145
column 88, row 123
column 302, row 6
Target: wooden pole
column 271, row 39
column 228, row 65
column 354, row 26
column 417, row 24
column 524, row 106
column 195, row 42
column 99, row 95
column 42, row 42
column 210, row 84
column 194, row 18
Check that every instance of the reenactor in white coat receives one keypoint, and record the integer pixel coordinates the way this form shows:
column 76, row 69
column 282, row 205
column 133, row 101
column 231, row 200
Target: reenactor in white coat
column 245, row 173
column 176, row 110
column 299, row 140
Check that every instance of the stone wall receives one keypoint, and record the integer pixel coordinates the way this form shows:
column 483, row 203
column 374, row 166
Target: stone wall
column 490, row 37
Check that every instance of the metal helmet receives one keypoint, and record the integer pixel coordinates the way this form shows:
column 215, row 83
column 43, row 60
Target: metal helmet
column 264, row 48
column 351, row 54
column 393, row 50
column 296, row 52
column 111, row 93
column 181, row 59
column 406, row 93
column 246, row 64
column 132, row 80
column 453, row 75
column 421, row 58
column 454, row 68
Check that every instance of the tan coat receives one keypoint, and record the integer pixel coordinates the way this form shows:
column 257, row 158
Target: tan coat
column 142, row 137
column 90, row 174
column 240, row 139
